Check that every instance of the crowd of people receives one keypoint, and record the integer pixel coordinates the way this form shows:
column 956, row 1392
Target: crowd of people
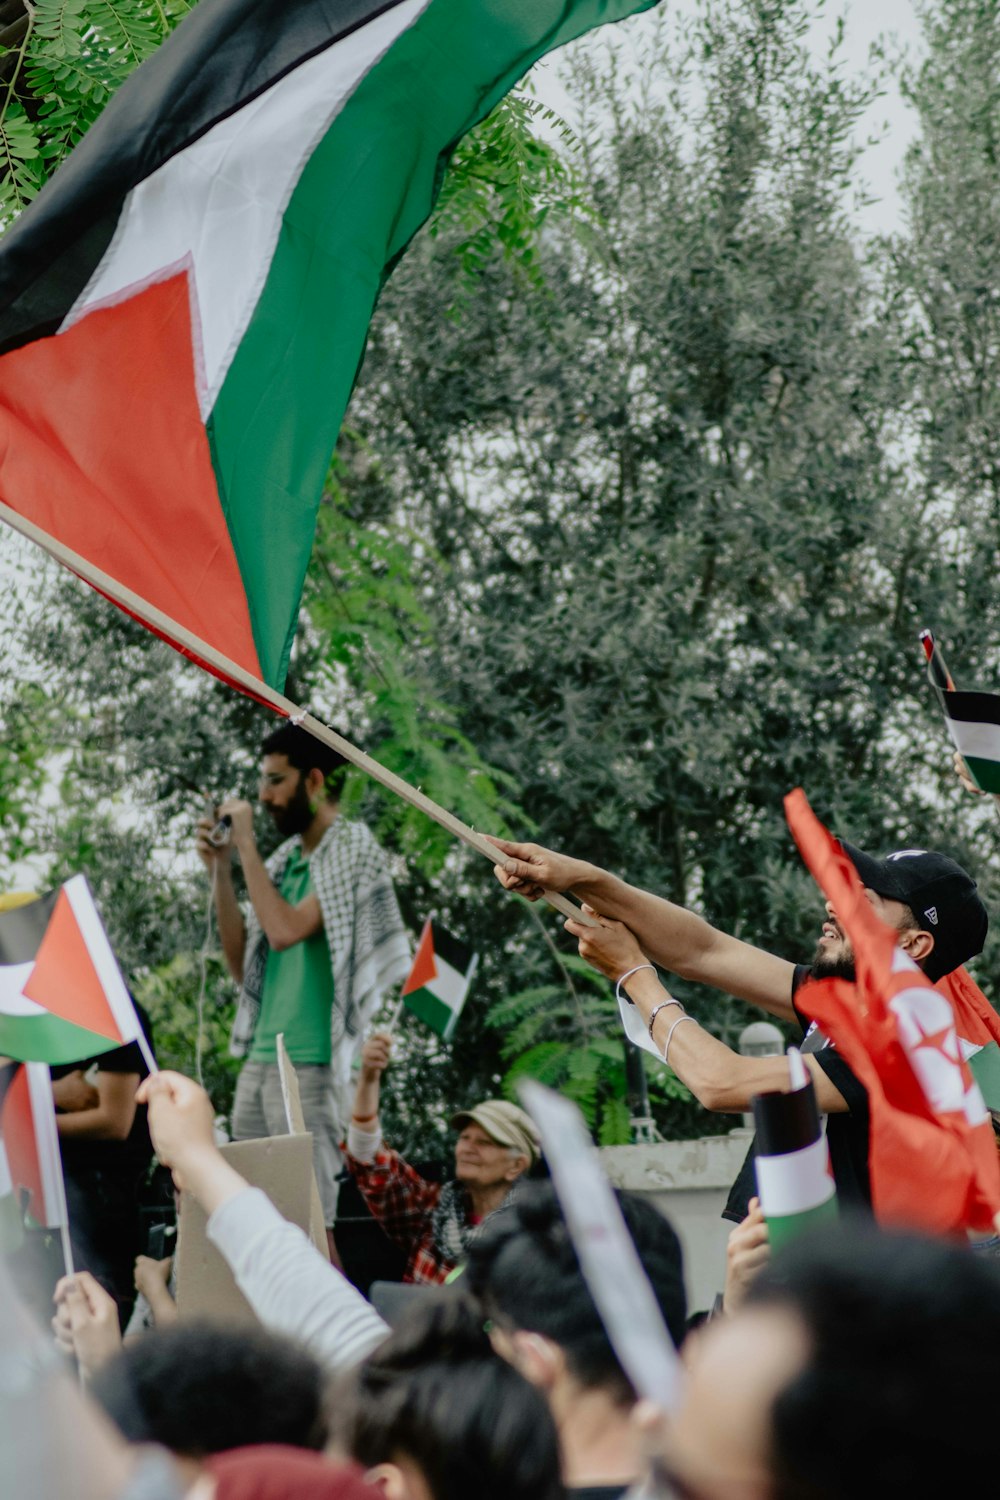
column 857, row 1362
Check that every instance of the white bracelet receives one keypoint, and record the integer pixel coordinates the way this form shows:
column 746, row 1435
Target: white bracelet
column 670, row 1035
column 628, row 975
column 656, row 1011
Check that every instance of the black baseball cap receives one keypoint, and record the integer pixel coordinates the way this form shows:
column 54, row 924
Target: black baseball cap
column 941, row 895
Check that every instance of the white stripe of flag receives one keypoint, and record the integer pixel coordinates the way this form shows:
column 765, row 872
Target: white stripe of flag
column 81, row 901
column 240, row 175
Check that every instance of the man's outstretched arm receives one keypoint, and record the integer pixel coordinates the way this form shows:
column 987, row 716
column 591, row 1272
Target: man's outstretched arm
column 719, row 1078
column 672, row 936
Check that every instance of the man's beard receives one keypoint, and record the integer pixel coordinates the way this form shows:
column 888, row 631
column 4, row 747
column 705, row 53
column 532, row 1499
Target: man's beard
column 296, row 815
column 824, row 967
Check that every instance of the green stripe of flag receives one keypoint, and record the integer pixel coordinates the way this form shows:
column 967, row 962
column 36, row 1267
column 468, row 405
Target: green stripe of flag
column 985, row 773
column 784, row 1227
column 49, row 1039
column 366, row 189
column 429, row 1009
column 985, row 1068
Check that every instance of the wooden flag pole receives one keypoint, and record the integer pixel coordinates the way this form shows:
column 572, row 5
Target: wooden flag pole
column 201, row 651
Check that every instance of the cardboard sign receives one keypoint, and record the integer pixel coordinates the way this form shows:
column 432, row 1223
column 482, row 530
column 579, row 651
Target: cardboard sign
column 281, row 1166
column 297, row 1126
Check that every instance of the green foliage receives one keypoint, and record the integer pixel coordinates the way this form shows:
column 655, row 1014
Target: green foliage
column 503, row 183
column 21, row 173
column 170, row 994
column 70, row 57
column 637, row 542
column 660, row 488
column 569, row 1036
column 366, row 624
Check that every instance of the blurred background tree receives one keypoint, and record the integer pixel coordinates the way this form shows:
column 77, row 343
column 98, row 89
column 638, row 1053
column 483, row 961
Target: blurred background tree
column 654, row 470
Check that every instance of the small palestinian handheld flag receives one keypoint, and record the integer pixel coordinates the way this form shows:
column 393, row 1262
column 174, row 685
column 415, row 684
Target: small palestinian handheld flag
column 62, row 996
column 29, row 1140
column 184, row 307
column 792, row 1161
column 439, row 980
column 972, row 720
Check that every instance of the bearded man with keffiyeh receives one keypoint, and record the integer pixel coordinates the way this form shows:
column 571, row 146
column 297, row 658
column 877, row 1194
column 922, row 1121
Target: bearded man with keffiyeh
column 322, row 943
column 436, row 1222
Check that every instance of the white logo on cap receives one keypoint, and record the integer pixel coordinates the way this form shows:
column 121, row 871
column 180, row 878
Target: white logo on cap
column 906, row 854
column 931, row 914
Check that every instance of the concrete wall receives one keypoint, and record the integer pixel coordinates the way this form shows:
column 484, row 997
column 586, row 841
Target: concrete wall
column 689, row 1182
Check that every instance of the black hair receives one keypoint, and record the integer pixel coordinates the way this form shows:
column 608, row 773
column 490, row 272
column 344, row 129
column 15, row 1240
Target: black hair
column 435, row 1392
column 524, row 1271
column 306, row 753
column 898, row 1392
column 199, row 1388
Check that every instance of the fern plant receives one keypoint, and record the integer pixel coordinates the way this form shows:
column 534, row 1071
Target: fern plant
column 568, row 1035
column 63, row 61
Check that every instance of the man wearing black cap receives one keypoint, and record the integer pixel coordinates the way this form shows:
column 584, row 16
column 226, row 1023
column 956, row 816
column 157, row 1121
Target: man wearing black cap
column 928, row 899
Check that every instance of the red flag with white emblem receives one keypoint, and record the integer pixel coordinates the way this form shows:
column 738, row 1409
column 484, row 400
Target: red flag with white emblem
column 933, row 1158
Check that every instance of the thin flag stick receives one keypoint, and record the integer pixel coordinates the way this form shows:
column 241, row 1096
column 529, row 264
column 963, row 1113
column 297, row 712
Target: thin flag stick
column 936, row 664
column 205, row 655
column 395, row 1018
column 67, row 1249
column 147, row 1055
column 43, row 1114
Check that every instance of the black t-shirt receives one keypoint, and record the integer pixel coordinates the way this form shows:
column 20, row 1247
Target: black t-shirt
column 134, row 1153
column 846, row 1133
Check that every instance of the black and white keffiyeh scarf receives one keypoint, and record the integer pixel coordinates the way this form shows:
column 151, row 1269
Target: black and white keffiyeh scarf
column 369, row 946
column 450, row 1226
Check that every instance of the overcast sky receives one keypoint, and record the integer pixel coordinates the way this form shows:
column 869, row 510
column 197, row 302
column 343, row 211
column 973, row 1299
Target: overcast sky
column 894, row 20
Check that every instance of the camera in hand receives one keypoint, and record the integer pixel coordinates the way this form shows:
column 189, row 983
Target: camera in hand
column 219, row 836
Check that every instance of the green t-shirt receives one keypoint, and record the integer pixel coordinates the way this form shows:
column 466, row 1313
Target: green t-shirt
column 298, row 986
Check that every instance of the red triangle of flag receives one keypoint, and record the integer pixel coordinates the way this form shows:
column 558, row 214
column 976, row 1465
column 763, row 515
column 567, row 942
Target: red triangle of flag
column 17, row 1128
column 64, row 978
column 424, row 968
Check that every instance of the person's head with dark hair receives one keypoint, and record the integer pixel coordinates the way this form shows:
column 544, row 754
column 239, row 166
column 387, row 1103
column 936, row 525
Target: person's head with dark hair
column 861, row 1363
column 524, row 1272
column 435, row 1414
column 199, row 1388
column 300, row 778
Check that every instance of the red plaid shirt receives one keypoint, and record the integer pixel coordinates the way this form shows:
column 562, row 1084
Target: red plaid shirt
column 403, row 1202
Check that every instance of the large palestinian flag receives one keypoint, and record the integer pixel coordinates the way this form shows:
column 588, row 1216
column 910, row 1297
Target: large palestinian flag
column 62, row 996
column 184, row 307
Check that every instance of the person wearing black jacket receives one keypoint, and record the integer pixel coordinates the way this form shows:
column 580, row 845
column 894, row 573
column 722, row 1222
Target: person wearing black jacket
column 106, row 1152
